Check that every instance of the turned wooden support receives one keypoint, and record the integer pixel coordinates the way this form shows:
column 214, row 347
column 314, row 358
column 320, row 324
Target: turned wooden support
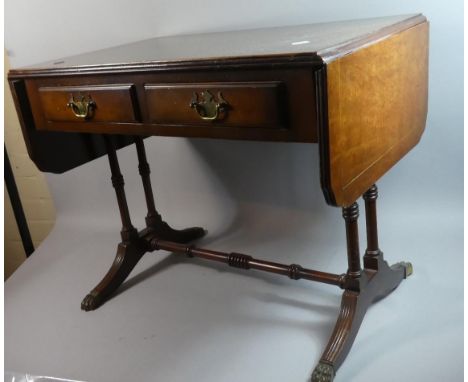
column 128, row 231
column 362, row 288
column 152, row 218
column 242, row 261
column 350, row 215
column 370, row 199
column 134, row 245
column 373, row 250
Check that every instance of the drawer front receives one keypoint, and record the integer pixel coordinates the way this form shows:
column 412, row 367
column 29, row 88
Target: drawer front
column 100, row 103
column 241, row 104
column 269, row 104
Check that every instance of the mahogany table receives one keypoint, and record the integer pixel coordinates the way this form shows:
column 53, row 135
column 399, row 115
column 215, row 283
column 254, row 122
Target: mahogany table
column 358, row 89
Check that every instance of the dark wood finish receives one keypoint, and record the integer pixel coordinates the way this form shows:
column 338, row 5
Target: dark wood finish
column 350, row 215
column 372, row 250
column 358, row 89
column 250, row 104
column 134, row 244
column 239, row 260
column 290, row 119
column 174, row 67
column 340, row 70
column 56, row 151
column 128, row 255
column 363, row 288
column 354, row 304
column 256, row 48
column 152, row 218
column 128, row 231
column 129, row 250
column 114, row 103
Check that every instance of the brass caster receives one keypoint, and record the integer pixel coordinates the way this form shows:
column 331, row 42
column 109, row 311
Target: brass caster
column 408, row 269
column 323, row 373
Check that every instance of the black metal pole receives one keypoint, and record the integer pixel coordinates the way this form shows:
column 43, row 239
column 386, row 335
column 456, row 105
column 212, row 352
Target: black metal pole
column 17, row 207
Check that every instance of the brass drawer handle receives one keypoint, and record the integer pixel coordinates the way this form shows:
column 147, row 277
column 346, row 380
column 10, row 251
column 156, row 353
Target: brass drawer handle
column 82, row 106
column 209, row 109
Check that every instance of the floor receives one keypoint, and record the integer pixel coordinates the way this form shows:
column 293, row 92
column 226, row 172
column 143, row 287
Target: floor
column 178, row 319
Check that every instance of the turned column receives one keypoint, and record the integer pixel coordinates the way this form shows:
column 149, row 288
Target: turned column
column 350, row 215
column 152, row 218
column 373, row 250
column 128, row 231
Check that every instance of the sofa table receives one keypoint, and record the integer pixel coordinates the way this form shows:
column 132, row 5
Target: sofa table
column 358, row 89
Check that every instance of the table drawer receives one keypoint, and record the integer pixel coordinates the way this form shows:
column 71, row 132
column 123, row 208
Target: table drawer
column 240, row 104
column 275, row 104
column 99, row 103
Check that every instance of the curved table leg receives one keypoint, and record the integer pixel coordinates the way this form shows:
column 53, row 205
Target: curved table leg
column 362, row 287
column 134, row 245
column 377, row 281
column 354, row 306
column 128, row 255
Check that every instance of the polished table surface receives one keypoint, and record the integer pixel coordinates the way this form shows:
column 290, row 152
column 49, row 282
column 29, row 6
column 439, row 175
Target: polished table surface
column 324, row 39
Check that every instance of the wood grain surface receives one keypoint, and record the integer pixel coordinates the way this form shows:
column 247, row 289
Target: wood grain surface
column 362, row 96
column 114, row 103
column 249, row 104
column 272, row 104
column 377, row 106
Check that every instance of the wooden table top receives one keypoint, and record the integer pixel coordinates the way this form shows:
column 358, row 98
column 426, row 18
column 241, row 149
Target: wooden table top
column 325, row 40
column 357, row 88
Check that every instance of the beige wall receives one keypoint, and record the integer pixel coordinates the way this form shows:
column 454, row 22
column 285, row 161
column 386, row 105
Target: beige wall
column 32, row 187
